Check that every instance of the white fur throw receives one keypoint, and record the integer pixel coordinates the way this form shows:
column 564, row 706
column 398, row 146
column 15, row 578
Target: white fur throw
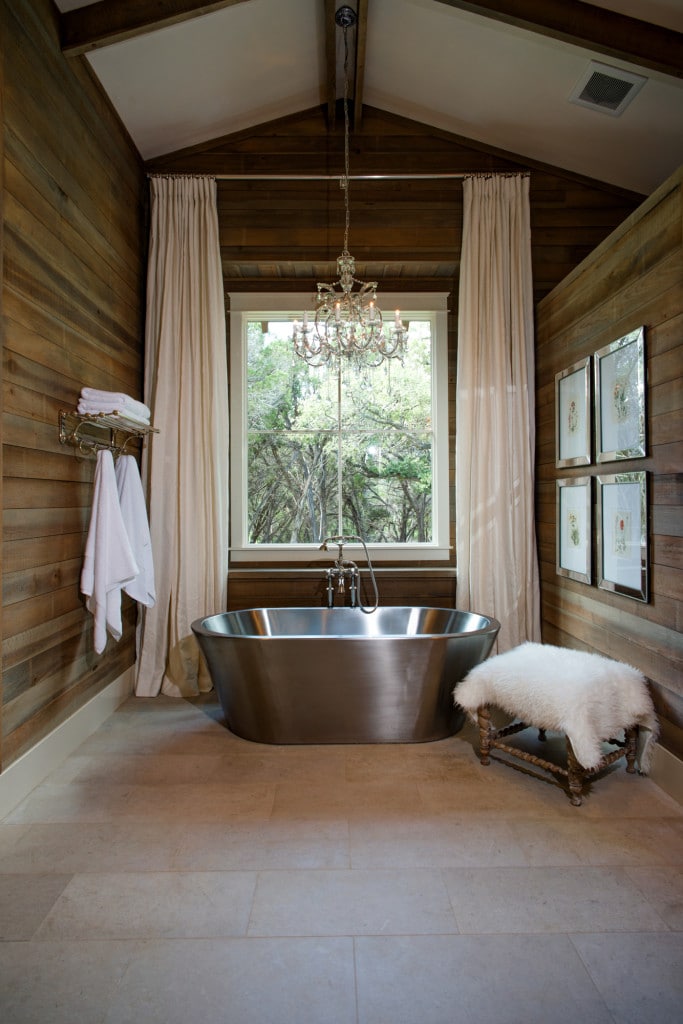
column 585, row 696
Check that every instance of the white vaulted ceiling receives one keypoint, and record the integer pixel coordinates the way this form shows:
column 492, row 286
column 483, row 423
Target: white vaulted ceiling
column 490, row 81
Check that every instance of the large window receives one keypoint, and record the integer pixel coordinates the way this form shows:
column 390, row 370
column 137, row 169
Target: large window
column 328, row 450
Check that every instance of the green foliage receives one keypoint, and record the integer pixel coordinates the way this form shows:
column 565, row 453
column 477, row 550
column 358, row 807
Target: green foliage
column 307, row 427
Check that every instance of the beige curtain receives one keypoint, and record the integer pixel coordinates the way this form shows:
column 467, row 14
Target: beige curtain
column 186, row 464
column 495, row 431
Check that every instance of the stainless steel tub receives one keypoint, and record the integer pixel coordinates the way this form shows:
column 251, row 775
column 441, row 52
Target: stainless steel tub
column 338, row 675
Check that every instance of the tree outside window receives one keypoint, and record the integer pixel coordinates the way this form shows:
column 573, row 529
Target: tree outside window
column 338, row 449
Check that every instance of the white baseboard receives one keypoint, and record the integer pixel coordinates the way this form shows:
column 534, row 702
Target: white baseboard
column 667, row 772
column 35, row 765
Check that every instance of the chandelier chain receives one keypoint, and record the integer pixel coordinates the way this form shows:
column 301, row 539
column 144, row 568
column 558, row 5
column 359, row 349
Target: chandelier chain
column 348, row 324
column 344, row 182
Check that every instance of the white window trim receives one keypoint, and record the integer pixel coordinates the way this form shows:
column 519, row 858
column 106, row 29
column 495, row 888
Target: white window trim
column 411, row 303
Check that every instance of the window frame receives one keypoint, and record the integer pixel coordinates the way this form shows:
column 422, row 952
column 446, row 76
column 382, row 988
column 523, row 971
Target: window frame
column 250, row 305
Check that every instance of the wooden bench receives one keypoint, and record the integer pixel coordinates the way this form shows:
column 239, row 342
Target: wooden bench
column 588, row 698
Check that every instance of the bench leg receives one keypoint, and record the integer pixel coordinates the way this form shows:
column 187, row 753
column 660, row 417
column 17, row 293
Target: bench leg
column 575, row 776
column 484, row 719
column 630, row 736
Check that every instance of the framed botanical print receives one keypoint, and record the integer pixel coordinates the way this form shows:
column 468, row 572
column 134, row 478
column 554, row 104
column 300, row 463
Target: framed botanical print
column 573, row 530
column 620, row 399
column 572, row 415
column 622, row 534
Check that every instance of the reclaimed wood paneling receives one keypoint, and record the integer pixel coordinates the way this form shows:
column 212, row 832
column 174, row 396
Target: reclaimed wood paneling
column 73, row 277
column 634, row 278
column 257, row 588
column 286, row 235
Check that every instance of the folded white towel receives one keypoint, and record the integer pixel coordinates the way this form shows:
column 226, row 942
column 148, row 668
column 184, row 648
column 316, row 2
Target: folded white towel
column 111, row 401
column 86, row 408
column 134, row 513
column 109, row 562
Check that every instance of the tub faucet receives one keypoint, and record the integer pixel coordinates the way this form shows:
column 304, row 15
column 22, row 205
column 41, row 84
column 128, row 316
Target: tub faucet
column 342, row 571
column 345, row 571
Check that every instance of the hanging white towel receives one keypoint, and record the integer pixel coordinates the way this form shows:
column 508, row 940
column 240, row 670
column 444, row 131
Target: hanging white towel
column 109, row 562
column 134, row 512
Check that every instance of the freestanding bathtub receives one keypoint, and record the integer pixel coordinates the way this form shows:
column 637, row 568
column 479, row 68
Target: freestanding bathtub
column 339, row 675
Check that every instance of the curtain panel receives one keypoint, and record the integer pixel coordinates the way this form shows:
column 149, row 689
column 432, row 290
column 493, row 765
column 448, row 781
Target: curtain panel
column 185, row 465
column 497, row 559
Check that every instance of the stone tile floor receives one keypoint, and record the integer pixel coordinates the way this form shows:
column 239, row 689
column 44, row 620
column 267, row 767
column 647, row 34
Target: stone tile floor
column 171, row 872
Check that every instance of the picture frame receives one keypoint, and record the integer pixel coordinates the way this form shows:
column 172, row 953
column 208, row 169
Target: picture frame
column 574, row 528
column 572, row 415
column 620, row 390
column 622, row 534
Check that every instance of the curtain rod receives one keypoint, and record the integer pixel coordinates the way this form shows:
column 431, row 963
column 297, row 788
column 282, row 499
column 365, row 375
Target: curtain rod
column 338, row 177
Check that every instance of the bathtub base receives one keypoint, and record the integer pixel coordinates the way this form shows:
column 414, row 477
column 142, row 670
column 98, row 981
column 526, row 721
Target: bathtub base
column 413, row 704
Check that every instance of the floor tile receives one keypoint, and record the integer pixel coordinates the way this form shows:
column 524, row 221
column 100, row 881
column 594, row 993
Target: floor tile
column 260, row 845
column 209, row 801
column 614, row 840
column 167, row 904
column 639, row 976
column 663, row 889
column 151, row 769
column 548, row 899
column 458, row 979
column 73, row 802
column 348, row 800
column 350, row 903
column 434, row 841
column 261, row 763
column 25, row 900
column 350, row 884
column 239, row 981
column 60, row 983
column 92, row 846
column 631, row 796
column 407, row 763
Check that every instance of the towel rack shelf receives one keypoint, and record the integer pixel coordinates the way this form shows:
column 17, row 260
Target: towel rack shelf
column 92, row 432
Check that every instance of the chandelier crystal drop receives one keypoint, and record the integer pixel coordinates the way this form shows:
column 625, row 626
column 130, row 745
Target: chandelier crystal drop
column 348, row 324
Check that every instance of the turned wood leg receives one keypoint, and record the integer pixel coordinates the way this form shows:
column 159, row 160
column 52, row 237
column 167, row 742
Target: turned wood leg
column 575, row 776
column 484, row 719
column 630, row 737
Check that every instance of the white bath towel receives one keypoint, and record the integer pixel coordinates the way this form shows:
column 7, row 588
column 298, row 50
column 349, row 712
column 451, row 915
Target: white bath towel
column 586, row 696
column 134, row 513
column 109, row 562
column 127, row 417
column 94, row 401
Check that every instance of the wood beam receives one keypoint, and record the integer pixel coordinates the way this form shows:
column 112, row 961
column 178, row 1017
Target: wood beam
column 590, row 27
column 112, row 21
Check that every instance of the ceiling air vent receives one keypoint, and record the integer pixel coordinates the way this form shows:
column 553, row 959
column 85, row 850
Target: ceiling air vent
column 607, row 89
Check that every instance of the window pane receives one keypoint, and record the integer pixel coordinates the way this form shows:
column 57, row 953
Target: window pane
column 283, row 392
column 332, row 449
column 396, row 394
column 387, row 487
column 292, row 493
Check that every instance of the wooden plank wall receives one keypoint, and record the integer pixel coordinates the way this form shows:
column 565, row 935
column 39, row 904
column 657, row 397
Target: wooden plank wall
column 274, row 232
column 282, row 236
column 634, row 278
column 73, row 314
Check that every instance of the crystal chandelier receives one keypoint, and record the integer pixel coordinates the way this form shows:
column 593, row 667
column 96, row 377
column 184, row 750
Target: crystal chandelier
column 346, row 323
